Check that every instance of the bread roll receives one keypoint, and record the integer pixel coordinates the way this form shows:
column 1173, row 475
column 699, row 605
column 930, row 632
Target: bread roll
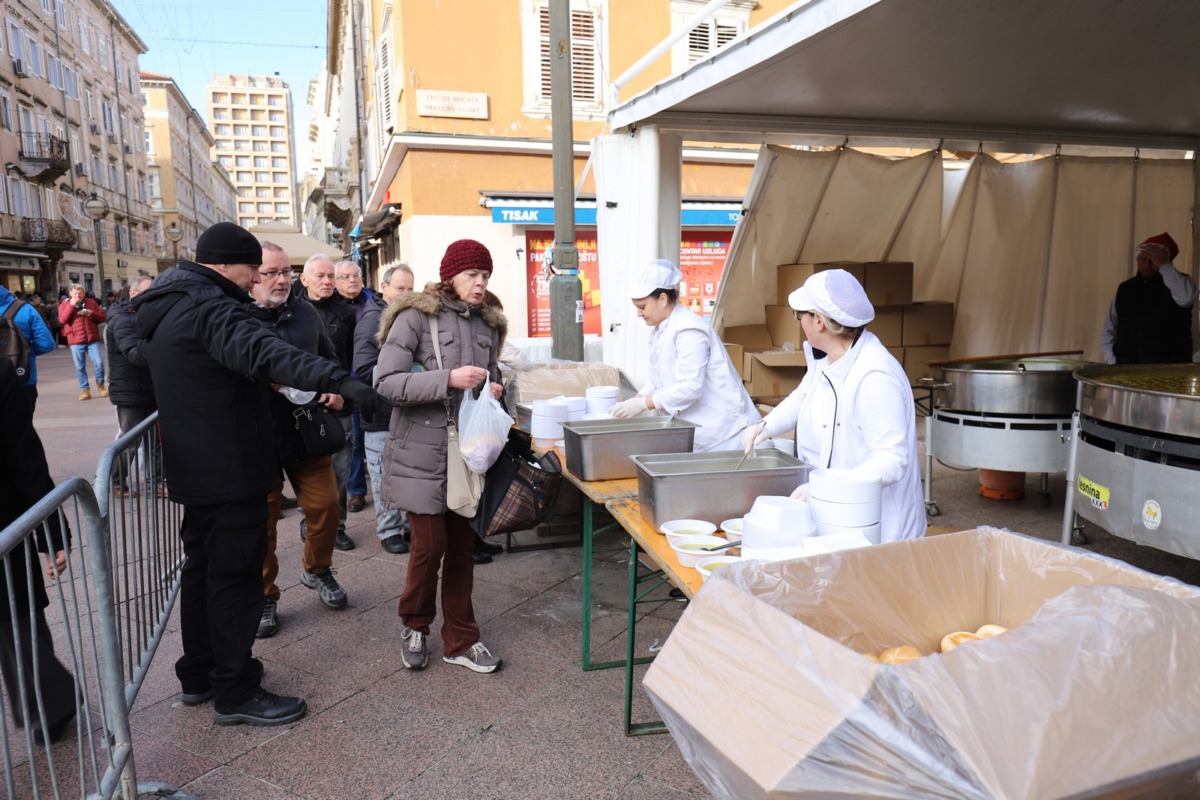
column 953, row 640
column 988, row 631
column 899, row 655
column 872, row 656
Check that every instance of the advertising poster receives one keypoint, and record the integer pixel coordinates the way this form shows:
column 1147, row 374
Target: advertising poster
column 702, row 261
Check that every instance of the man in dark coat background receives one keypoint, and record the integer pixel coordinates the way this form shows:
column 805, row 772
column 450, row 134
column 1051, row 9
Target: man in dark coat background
column 130, row 387
column 213, row 366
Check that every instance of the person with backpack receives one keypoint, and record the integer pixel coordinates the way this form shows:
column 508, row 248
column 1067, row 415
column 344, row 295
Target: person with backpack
column 81, row 317
column 23, row 337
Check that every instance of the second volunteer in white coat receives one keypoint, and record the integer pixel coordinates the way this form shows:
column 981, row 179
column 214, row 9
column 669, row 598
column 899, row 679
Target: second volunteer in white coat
column 691, row 376
column 854, row 407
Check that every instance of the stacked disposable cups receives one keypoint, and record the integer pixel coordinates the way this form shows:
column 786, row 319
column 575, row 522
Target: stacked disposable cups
column 576, row 407
column 546, row 421
column 601, row 398
column 844, row 501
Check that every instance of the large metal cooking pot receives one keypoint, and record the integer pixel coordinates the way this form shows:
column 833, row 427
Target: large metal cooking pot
column 1026, row 386
column 1161, row 398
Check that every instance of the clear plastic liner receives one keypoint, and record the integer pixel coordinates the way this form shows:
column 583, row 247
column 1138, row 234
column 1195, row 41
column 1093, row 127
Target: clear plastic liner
column 1092, row 692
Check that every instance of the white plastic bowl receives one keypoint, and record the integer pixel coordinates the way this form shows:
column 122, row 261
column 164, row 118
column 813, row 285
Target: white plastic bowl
column 780, row 513
column 686, row 527
column 844, row 486
column 705, row 566
column 847, row 515
column 606, row 392
column 872, row 532
column 733, row 529
column 690, row 549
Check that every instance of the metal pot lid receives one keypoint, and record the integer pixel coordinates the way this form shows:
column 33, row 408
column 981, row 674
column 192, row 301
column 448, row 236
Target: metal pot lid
column 1174, row 380
column 1012, row 365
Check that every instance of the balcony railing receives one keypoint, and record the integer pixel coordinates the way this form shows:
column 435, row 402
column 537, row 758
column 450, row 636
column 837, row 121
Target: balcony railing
column 47, row 232
column 45, row 148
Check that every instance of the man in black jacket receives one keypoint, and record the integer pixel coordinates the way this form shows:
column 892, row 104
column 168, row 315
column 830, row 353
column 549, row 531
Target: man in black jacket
column 130, row 388
column 24, row 480
column 391, row 525
column 213, row 365
column 339, row 318
column 297, row 323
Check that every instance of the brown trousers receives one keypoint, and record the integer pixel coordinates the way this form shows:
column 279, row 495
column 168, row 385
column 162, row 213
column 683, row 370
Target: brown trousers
column 317, row 494
column 445, row 542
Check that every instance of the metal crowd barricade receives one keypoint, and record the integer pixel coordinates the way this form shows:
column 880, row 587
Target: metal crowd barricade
column 146, row 551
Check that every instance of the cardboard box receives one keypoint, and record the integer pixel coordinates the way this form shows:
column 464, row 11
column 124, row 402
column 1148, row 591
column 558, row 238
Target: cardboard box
column 737, row 356
column 888, row 325
column 889, row 283
column 773, row 374
column 569, row 379
column 928, row 324
column 790, row 277
column 784, row 327
column 752, row 337
column 1091, row 692
column 917, row 359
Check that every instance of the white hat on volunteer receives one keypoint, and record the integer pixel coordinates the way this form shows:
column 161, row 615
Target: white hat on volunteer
column 658, row 274
column 838, row 295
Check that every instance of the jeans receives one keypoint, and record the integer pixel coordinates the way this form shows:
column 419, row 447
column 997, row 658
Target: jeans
column 388, row 521
column 341, row 468
column 221, row 598
column 445, row 543
column 356, row 484
column 92, row 351
column 312, row 478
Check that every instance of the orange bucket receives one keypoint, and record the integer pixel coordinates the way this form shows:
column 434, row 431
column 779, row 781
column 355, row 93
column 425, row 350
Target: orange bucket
column 997, row 484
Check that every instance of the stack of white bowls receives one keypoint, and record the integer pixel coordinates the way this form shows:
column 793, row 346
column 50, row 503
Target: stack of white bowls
column 576, row 407
column 601, row 398
column 546, row 421
column 776, row 528
column 844, row 501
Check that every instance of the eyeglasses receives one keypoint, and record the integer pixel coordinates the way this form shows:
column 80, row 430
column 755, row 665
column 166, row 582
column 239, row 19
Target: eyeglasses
column 272, row 274
column 349, row 278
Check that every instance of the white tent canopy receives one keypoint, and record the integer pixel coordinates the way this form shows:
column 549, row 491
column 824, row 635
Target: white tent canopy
column 1030, row 252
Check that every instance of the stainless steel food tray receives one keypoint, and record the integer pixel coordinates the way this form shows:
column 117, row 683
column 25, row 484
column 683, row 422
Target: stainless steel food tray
column 599, row 449
column 706, row 486
column 525, row 416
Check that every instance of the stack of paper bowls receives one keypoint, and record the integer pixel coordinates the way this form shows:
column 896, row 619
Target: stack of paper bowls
column 775, row 528
column 844, row 501
column 576, row 407
column 601, row 398
column 548, row 416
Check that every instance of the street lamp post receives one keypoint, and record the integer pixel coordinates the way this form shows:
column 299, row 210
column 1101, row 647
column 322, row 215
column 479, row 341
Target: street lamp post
column 174, row 233
column 96, row 207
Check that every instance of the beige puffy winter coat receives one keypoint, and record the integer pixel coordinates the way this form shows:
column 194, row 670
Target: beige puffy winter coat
column 414, row 458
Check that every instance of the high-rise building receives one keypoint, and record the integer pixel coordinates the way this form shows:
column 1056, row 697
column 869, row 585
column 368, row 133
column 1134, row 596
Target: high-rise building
column 189, row 191
column 251, row 123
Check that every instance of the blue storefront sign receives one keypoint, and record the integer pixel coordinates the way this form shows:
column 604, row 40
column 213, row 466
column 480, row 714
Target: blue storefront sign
column 722, row 216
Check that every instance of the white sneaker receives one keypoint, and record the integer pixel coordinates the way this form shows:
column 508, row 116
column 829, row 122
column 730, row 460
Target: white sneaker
column 477, row 659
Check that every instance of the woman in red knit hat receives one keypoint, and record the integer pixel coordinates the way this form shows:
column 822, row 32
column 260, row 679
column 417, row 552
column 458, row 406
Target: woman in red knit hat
column 470, row 333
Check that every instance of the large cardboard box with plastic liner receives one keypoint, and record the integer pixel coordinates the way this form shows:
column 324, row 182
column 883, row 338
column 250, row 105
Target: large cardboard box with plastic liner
column 1093, row 691
column 566, row 379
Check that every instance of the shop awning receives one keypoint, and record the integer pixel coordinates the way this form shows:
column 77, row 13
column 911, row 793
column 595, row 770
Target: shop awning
column 536, row 211
column 378, row 222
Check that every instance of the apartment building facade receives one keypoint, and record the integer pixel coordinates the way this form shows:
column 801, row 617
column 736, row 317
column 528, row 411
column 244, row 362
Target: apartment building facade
column 189, row 191
column 251, row 118
column 452, row 150
column 71, row 131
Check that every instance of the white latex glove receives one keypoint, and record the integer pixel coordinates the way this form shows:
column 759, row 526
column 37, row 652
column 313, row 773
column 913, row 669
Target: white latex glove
column 753, row 436
column 628, row 408
column 801, row 493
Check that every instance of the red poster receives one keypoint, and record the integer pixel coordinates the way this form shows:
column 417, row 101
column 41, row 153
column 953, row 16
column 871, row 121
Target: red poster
column 702, row 260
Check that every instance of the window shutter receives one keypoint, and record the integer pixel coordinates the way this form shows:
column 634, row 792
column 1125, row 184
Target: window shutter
column 710, row 37
column 585, row 56
column 384, row 84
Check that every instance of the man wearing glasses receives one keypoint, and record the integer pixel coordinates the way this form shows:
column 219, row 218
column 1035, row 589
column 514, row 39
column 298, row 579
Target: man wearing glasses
column 349, row 282
column 297, row 323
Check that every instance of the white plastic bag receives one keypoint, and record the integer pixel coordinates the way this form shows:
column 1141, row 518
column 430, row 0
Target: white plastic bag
column 483, row 429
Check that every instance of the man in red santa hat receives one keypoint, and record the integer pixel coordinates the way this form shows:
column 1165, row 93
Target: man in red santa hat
column 1150, row 319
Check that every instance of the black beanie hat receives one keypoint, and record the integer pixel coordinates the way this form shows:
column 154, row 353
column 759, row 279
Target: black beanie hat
column 227, row 243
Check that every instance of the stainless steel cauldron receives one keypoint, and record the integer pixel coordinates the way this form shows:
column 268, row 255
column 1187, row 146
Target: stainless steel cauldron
column 1040, row 386
column 1157, row 398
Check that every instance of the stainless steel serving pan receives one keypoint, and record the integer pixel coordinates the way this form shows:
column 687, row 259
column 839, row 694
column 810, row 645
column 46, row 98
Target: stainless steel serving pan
column 525, row 416
column 1026, row 385
column 599, row 449
column 1157, row 398
column 706, row 486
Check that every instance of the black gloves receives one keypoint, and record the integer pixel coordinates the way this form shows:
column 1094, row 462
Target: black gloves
column 372, row 406
column 358, row 391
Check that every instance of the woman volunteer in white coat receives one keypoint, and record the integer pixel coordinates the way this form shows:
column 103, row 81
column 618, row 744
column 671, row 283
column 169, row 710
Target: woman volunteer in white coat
column 854, row 408
column 691, row 376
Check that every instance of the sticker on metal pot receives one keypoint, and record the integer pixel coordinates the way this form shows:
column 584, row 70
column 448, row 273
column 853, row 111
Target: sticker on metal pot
column 1151, row 515
column 1093, row 491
